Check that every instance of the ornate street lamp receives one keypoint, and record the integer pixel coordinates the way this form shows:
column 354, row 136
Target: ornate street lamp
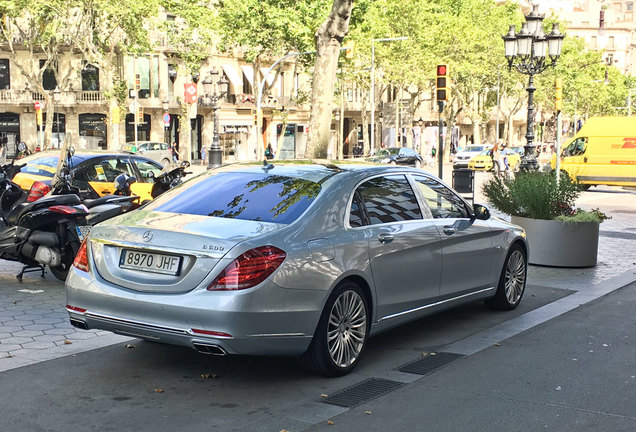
column 215, row 88
column 531, row 52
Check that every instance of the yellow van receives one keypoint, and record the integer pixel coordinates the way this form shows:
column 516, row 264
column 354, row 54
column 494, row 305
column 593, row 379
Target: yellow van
column 603, row 152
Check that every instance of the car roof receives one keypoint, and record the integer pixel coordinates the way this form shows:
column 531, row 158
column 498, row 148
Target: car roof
column 318, row 172
column 79, row 156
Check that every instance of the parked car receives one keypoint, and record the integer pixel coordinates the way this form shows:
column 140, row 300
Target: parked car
column 483, row 161
column 305, row 260
column 464, row 156
column 157, row 151
column 398, row 156
column 93, row 172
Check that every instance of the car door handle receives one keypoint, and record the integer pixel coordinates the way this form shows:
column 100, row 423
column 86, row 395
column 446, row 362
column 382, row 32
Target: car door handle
column 449, row 230
column 385, row 238
column 585, row 159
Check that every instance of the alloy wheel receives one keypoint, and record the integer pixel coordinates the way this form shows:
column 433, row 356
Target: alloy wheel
column 346, row 328
column 515, row 278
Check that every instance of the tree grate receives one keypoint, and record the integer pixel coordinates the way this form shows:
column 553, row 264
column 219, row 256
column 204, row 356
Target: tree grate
column 362, row 392
column 429, row 363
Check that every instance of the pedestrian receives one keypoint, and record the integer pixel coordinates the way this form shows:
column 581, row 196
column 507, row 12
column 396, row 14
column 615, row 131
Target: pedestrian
column 175, row 152
column 204, row 155
column 497, row 159
column 269, row 152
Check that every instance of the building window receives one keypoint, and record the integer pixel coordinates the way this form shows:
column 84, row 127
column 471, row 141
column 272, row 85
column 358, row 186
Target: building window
column 90, row 78
column 629, row 6
column 48, row 77
column 92, row 131
column 610, row 42
column 5, row 76
column 148, row 71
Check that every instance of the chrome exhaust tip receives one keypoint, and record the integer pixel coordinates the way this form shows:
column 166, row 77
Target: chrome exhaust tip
column 79, row 324
column 210, row 349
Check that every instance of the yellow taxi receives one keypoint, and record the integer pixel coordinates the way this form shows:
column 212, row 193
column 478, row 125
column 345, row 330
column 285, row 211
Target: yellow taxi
column 93, row 172
column 483, row 161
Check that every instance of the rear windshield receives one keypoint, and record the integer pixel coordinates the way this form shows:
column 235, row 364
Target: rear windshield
column 44, row 166
column 240, row 195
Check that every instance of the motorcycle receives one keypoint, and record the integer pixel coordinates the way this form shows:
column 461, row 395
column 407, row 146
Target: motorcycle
column 168, row 178
column 40, row 233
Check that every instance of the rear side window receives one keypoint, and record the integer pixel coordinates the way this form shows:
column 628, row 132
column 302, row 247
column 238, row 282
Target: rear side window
column 45, row 166
column 386, row 199
column 239, row 195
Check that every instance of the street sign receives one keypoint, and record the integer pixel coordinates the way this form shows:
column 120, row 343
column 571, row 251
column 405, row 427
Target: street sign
column 166, row 120
column 190, row 92
column 38, row 105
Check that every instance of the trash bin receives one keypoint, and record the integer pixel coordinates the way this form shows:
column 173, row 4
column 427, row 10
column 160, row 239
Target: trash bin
column 464, row 182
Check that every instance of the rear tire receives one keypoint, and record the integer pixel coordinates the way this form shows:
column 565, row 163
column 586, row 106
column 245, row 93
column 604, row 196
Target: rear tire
column 68, row 256
column 512, row 282
column 341, row 335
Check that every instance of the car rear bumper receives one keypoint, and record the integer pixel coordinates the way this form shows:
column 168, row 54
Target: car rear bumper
column 225, row 322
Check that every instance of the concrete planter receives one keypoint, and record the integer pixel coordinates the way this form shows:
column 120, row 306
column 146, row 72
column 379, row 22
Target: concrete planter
column 560, row 244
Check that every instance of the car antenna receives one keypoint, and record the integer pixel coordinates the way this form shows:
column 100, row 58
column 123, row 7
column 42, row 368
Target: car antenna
column 267, row 166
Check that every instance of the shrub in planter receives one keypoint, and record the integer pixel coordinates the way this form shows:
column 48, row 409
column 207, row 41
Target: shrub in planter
column 559, row 234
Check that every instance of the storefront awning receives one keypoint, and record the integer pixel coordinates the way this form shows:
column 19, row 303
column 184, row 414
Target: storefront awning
column 248, row 71
column 270, row 80
column 234, row 77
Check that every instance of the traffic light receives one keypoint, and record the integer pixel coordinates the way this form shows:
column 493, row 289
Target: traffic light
column 349, row 50
column 140, row 115
column 137, row 83
column 442, row 83
column 559, row 94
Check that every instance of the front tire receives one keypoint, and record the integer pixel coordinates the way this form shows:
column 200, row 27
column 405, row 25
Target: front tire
column 512, row 282
column 341, row 335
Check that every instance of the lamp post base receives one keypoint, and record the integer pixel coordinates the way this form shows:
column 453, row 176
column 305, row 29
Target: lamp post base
column 215, row 158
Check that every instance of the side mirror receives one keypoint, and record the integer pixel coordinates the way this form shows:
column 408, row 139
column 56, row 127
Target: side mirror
column 71, row 151
column 185, row 164
column 481, row 212
column 21, row 146
column 151, row 174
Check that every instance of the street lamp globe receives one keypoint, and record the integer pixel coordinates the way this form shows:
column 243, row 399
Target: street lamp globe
column 555, row 41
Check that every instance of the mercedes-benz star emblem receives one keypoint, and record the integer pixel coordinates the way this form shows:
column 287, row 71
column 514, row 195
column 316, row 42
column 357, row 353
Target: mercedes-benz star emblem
column 147, row 236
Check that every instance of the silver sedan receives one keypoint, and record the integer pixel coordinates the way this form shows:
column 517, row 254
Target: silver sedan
column 305, row 260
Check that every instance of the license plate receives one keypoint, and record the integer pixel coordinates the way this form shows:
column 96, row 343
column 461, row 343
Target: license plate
column 150, row 262
column 83, row 231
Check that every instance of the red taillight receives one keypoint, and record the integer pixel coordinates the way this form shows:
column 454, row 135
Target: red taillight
column 249, row 269
column 211, row 333
column 69, row 209
column 37, row 191
column 81, row 259
column 75, row 309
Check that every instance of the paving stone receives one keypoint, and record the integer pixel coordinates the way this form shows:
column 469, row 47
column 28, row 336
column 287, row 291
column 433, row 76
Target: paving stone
column 7, row 348
column 17, row 323
column 16, row 340
column 80, row 335
column 42, row 327
column 27, row 333
column 49, row 338
column 38, row 345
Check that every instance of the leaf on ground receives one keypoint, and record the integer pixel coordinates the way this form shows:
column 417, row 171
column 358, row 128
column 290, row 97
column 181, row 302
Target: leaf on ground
column 158, row 390
column 424, row 354
column 130, row 346
column 497, row 344
column 67, row 342
column 324, row 395
column 367, row 412
column 208, row 375
column 329, row 422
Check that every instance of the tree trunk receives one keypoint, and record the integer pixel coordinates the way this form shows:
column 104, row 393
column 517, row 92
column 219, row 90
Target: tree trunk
column 328, row 40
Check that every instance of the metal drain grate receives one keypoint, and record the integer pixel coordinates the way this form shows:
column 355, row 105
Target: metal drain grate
column 362, row 392
column 429, row 363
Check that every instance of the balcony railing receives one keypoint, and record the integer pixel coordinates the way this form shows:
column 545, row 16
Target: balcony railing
column 91, row 96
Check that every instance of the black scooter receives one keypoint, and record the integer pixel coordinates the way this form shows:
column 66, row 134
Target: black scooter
column 40, row 233
column 168, row 178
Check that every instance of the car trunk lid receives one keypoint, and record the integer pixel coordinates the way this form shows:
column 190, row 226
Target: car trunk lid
column 167, row 252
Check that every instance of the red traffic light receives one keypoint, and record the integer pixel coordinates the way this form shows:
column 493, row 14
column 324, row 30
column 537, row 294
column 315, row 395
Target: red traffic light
column 442, row 69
